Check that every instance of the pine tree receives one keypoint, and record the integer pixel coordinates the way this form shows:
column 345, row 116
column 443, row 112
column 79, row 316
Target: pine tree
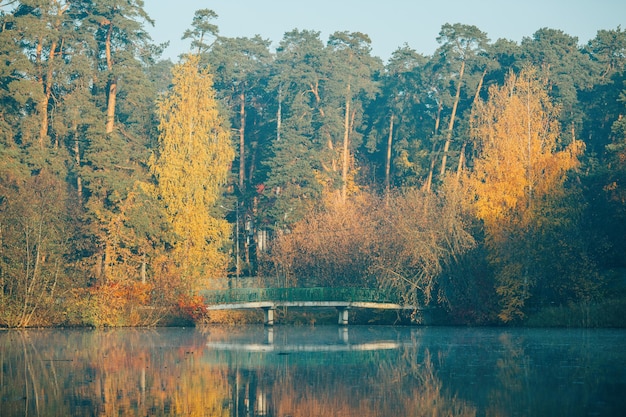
column 462, row 45
column 352, row 76
column 297, row 172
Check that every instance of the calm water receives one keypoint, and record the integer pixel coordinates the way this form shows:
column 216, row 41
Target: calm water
column 306, row 371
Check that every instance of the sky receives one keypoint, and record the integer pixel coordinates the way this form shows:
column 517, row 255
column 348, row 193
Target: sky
column 389, row 23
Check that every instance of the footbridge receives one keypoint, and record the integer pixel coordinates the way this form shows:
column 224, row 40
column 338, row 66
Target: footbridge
column 268, row 299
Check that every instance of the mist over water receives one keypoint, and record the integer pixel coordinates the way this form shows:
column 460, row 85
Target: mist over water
column 313, row 371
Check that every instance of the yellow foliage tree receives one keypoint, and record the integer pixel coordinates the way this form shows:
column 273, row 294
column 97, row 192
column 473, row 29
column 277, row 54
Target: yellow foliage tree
column 520, row 170
column 191, row 164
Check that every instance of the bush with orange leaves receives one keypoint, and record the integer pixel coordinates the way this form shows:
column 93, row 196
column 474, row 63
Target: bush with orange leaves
column 192, row 308
column 400, row 243
column 114, row 304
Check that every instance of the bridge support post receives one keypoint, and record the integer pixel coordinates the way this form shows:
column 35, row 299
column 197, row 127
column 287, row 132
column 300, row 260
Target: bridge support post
column 344, row 335
column 269, row 315
column 343, row 316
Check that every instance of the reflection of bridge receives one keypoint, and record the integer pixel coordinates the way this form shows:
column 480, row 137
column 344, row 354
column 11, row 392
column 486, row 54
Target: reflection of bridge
column 268, row 299
column 267, row 364
column 303, row 344
column 254, row 347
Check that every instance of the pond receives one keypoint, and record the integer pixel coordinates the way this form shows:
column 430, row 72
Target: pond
column 313, row 371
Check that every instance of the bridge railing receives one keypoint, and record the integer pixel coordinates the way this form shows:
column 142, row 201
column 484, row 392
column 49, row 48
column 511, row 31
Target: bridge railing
column 250, row 295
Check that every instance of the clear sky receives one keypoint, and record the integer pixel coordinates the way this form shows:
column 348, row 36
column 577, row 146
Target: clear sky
column 389, row 23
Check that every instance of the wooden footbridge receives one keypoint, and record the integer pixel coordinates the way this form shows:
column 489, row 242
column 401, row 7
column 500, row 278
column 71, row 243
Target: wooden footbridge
column 268, row 299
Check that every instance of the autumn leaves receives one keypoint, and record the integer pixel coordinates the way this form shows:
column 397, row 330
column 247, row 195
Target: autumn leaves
column 191, row 164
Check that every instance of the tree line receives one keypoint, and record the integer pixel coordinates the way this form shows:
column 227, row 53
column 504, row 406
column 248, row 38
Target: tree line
column 486, row 178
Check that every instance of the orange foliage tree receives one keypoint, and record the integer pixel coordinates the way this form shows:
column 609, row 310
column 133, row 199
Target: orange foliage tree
column 518, row 186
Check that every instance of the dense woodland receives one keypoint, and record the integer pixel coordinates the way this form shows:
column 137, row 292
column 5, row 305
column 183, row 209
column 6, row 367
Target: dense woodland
column 487, row 180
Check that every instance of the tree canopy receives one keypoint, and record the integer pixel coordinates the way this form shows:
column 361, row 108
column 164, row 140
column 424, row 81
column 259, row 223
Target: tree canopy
column 486, row 179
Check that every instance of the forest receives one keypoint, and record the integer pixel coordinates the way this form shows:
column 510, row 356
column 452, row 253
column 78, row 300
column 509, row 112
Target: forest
column 487, row 180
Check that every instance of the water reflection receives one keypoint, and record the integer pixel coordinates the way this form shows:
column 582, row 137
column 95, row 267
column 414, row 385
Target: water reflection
column 317, row 371
column 329, row 371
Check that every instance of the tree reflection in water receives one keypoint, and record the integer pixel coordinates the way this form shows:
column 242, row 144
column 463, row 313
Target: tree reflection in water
column 319, row 376
column 112, row 372
column 325, row 371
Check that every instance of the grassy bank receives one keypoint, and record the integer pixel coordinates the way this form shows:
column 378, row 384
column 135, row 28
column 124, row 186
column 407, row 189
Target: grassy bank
column 609, row 313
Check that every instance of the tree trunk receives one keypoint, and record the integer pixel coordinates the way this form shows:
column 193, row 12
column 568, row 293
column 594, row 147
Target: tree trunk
column 480, row 86
column 446, row 146
column 45, row 101
column 47, row 82
column 143, row 269
column 242, row 142
column 433, row 154
column 110, row 123
column 279, row 113
column 461, row 161
column 79, row 180
column 254, row 150
column 462, row 154
column 329, row 141
column 346, row 139
column 111, row 105
column 388, row 159
column 106, row 262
